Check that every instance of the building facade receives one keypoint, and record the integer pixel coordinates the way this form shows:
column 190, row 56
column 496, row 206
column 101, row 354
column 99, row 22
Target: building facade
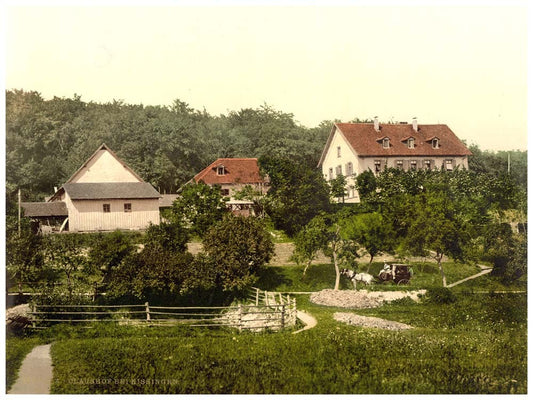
column 105, row 195
column 353, row 148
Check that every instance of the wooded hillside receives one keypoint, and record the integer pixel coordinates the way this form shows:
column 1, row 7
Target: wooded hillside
column 48, row 140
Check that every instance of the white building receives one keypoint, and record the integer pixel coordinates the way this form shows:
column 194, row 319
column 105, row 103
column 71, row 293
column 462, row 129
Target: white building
column 353, row 148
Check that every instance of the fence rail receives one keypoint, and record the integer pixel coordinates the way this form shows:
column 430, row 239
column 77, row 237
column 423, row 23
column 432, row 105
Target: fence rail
column 264, row 310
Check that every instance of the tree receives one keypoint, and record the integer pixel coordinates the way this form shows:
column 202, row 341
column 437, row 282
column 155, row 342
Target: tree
column 198, row 207
column 64, row 255
column 371, row 231
column 338, row 187
column 366, row 184
column 297, row 193
column 24, row 256
column 435, row 229
column 237, row 248
column 171, row 236
column 309, row 241
column 108, row 252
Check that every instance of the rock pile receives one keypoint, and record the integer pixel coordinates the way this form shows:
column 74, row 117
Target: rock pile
column 369, row 322
column 360, row 298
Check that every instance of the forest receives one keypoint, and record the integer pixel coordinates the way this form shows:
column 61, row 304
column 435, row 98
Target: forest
column 48, row 140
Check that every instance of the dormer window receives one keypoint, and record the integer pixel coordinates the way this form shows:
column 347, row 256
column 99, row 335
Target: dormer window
column 386, row 143
column 221, row 170
column 411, row 143
column 435, row 143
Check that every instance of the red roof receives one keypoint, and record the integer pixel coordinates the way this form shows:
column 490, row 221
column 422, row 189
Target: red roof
column 236, row 170
column 365, row 141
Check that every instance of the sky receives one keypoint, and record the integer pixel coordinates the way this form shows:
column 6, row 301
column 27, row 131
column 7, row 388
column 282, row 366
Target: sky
column 464, row 66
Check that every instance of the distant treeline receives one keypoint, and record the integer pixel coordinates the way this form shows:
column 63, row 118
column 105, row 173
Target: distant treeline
column 48, row 140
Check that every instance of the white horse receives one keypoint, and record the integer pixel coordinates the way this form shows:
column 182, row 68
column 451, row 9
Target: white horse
column 361, row 277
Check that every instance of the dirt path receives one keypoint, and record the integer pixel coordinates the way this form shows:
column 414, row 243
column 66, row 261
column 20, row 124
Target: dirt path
column 485, row 270
column 307, row 319
column 35, row 374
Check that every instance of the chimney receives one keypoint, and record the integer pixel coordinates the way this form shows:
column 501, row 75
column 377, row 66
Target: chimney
column 376, row 124
column 415, row 124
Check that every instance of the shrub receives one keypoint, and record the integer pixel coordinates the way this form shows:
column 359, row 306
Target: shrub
column 440, row 295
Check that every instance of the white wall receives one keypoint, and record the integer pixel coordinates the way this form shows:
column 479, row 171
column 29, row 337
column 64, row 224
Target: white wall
column 88, row 215
column 103, row 167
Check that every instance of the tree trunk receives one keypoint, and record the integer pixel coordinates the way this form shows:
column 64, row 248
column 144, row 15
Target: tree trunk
column 337, row 272
column 370, row 263
column 307, row 266
column 439, row 262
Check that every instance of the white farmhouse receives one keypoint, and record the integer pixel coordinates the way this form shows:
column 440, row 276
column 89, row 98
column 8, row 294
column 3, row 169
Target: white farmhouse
column 353, row 148
column 103, row 195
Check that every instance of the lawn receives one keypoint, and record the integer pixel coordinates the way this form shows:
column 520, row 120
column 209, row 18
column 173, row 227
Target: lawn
column 477, row 344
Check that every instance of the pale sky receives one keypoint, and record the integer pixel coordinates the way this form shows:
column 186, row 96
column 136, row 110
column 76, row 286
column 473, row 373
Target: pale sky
column 464, row 66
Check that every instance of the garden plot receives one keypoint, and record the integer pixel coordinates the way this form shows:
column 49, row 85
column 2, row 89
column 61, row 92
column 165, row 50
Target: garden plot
column 360, row 298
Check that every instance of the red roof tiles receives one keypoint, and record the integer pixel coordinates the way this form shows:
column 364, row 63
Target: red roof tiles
column 236, row 170
column 364, row 140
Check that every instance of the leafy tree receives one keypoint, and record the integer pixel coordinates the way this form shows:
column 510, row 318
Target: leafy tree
column 338, row 187
column 172, row 237
column 366, row 184
column 24, row 256
column 108, row 251
column 310, row 240
column 371, row 231
column 64, row 255
column 435, row 229
column 198, row 208
column 237, row 248
column 297, row 193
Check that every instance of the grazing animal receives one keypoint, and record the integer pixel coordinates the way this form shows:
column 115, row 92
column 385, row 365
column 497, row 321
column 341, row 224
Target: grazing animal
column 362, row 277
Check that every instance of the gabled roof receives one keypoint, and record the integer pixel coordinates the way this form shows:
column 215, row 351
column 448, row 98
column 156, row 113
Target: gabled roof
column 55, row 209
column 363, row 140
column 236, row 170
column 108, row 191
column 104, row 147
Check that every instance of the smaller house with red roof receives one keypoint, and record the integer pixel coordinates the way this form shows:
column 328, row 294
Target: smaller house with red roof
column 232, row 175
column 353, row 148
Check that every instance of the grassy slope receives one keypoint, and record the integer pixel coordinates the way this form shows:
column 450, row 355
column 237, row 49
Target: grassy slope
column 476, row 345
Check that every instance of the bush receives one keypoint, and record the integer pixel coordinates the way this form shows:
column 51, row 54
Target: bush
column 440, row 295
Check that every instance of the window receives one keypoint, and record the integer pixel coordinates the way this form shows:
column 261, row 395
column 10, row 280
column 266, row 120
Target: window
column 338, row 170
column 399, row 164
column 413, row 165
column 427, row 164
column 349, row 169
column 338, row 151
column 107, row 208
column 221, row 170
column 127, row 207
column 386, row 143
column 377, row 165
column 224, row 192
column 411, row 143
column 435, row 143
column 449, row 165
column 330, row 173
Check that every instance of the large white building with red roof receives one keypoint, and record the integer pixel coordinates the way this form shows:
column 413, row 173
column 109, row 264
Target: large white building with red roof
column 353, row 148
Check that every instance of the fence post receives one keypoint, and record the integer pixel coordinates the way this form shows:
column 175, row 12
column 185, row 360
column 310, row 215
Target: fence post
column 240, row 317
column 266, row 298
column 256, row 296
column 280, row 299
column 295, row 312
column 33, row 309
column 147, row 311
column 282, row 316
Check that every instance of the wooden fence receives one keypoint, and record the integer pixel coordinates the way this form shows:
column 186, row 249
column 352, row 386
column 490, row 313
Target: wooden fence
column 265, row 310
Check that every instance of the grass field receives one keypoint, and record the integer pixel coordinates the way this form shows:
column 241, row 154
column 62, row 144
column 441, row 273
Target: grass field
column 477, row 344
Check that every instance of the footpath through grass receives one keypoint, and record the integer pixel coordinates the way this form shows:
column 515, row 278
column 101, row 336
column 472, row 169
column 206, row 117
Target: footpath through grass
column 477, row 344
